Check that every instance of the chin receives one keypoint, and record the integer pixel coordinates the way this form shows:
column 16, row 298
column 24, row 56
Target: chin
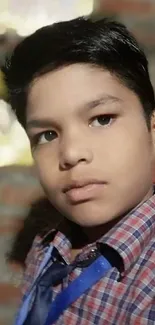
column 90, row 215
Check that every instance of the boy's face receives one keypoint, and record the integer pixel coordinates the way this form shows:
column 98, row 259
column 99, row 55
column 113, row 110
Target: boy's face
column 90, row 143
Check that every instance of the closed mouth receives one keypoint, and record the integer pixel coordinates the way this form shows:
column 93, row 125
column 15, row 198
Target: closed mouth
column 83, row 191
column 80, row 184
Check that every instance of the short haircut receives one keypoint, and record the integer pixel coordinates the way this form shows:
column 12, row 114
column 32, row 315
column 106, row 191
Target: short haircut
column 103, row 43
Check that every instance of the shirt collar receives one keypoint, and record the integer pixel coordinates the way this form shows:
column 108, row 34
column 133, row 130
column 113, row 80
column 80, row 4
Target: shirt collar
column 128, row 237
column 133, row 233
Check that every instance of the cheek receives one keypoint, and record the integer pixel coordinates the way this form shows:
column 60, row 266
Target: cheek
column 46, row 167
column 135, row 172
column 124, row 152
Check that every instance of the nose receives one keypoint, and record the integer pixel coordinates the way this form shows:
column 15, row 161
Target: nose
column 74, row 151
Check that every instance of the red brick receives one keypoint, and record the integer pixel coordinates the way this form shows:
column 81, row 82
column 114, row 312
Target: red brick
column 125, row 6
column 15, row 267
column 27, row 170
column 2, row 322
column 145, row 38
column 12, row 226
column 9, row 294
column 19, row 195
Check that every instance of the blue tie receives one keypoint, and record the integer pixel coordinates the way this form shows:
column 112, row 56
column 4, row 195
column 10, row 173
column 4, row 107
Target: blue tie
column 43, row 295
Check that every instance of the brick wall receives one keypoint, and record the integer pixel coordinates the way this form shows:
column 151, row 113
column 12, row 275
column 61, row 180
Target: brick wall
column 139, row 16
column 18, row 188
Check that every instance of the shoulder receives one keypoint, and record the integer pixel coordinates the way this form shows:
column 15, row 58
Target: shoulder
column 32, row 263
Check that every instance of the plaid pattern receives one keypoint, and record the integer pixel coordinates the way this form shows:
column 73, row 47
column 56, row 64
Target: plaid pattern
column 124, row 299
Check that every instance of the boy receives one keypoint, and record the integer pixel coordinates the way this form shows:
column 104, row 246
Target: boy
column 82, row 91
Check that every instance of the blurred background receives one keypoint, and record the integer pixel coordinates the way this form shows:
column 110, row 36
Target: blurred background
column 19, row 186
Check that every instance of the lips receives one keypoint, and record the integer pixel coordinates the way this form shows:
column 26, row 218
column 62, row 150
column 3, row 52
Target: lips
column 83, row 191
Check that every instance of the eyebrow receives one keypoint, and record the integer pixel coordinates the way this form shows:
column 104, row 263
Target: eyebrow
column 38, row 123
column 46, row 123
column 106, row 99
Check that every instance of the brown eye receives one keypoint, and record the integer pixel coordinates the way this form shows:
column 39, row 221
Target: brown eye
column 102, row 120
column 47, row 136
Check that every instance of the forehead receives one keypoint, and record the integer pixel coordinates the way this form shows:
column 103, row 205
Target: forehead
column 71, row 87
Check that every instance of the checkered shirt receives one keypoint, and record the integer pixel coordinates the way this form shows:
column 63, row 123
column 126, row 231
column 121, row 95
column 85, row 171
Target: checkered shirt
column 123, row 298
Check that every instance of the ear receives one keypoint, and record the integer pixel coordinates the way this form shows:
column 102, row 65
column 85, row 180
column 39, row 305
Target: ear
column 153, row 126
column 153, row 144
column 152, row 130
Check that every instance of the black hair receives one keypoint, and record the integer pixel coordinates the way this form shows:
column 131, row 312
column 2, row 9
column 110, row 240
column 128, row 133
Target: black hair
column 104, row 43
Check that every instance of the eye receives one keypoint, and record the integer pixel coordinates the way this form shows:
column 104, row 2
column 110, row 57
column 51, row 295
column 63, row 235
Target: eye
column 45, row 137
column 102, row 120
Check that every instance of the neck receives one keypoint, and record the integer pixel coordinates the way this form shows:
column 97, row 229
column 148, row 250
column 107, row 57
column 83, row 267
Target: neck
column 95, row 233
